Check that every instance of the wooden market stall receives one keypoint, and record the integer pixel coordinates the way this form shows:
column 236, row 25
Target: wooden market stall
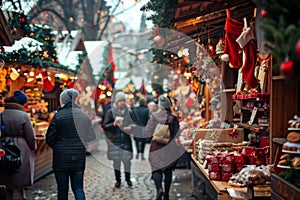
column 258, row 116
column 43, row 85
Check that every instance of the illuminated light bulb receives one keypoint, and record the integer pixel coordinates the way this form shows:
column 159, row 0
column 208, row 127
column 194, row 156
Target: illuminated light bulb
column 31, row 73
column 109, row 93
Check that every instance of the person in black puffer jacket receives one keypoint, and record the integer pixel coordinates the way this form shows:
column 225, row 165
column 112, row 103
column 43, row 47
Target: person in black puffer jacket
column 118, row 126
column 68, row 132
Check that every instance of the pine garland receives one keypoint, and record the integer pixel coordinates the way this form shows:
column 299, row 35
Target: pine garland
column 20, row 27
column 281, row 27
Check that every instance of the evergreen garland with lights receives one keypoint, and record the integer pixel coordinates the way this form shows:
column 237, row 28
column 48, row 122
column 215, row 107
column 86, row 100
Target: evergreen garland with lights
column 20, row 28
column 161, row 19
column 281, row 28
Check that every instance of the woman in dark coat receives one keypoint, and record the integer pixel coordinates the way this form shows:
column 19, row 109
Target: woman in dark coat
column 163, row 157
column 68, row 132
column 118, row 126
column 19, row 128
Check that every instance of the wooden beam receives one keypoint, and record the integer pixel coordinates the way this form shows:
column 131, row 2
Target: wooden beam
column 5, row 34
column 213, row 8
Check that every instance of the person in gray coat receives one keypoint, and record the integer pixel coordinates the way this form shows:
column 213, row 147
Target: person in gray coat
column 19, row 128
column 68, row 133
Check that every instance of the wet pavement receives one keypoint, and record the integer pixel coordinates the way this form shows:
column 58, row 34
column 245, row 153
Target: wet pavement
column 99, row 181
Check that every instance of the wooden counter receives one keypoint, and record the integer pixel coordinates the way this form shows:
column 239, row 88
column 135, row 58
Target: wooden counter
column 204, row 188
column 43, row 159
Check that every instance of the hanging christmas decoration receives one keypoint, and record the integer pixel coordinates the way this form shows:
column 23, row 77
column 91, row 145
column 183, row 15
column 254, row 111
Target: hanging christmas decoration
column 47, row 85
column 287, row 68
column 159, row 41
column 264, row 13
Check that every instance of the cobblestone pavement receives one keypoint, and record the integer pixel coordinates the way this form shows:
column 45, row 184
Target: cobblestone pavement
column 99, row 181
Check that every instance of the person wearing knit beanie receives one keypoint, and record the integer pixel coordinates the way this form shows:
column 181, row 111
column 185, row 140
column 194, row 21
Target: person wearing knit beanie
column 164, row 102
column 21, row 97
column 68, row 96
column 120, row 96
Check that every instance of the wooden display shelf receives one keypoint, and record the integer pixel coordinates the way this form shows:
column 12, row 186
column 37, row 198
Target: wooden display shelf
column 249, row 127
column 281, row 189
column 280, row 141
column 250, row 109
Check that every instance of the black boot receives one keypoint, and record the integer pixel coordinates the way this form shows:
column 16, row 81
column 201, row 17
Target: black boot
column 157, row 177
column 160, row 194
column 143, row 157
column 118, row 178
column 166, row 196
column 127, row 178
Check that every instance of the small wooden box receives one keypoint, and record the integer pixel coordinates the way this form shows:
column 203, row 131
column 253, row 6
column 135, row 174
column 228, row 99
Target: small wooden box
column 283, row 189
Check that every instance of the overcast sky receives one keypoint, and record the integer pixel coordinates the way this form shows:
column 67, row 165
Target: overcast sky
column 131, row 17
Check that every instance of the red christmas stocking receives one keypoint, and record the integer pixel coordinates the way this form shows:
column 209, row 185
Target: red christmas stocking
column 233, row 30
column 47, row 85
column 246, row 43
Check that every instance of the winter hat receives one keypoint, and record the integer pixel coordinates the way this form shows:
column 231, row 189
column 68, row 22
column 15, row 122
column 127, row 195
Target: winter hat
column 120, row 96
column 21, row 97
column 68, row 96
column 164, row 102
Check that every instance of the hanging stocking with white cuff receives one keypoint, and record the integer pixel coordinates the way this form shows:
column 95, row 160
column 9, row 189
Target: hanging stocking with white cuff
column 233, row 29
column 246, row 42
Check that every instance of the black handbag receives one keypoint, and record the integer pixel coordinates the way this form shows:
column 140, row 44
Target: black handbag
column 11, row 160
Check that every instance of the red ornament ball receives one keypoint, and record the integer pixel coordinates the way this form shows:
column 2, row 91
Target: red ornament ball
column 31, row 34
column 298, row 48
column 46, row 57
column 287, row 68
column 22, row 20
column 264, row 13
column 15, row 30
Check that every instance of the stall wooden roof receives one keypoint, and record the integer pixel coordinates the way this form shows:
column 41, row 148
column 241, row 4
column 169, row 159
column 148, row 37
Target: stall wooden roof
column 200, row 19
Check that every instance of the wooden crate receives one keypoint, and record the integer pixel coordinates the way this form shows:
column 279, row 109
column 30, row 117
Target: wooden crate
column 221, row 135
column 281, row 189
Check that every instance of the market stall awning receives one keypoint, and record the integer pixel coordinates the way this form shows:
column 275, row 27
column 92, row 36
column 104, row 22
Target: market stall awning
column 201, row 20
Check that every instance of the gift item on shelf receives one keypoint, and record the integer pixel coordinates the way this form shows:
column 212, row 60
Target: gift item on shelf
column 251, row 175
column 294, row 124
column 204, row 148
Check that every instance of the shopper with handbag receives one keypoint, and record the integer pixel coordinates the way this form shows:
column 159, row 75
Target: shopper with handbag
column 18, row 128
column 164, row 151
column 68, row 133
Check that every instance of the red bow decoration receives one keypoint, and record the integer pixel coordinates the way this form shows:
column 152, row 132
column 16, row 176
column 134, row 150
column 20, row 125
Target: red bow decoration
column 233, row 133
column 2, row 153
